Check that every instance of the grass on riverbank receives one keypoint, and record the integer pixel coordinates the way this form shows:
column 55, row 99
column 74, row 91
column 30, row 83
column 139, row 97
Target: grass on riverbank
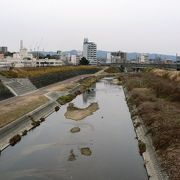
column 112, row 70
column 10, row 111
column 35, row 72
column 66, row 99
column 85, row 83
column 172, row 75
column 158, row 102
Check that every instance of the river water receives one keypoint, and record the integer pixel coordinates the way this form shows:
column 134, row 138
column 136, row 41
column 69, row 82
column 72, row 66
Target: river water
column 51, row 151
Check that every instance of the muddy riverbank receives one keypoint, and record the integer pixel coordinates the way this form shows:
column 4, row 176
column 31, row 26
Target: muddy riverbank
column 78, row 114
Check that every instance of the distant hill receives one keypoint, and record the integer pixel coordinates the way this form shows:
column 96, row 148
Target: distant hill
column 133, row 55
column 103, row 54
column 72, row 52
column 151, row 56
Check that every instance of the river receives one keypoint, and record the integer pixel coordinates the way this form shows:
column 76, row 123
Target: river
column 51, row 151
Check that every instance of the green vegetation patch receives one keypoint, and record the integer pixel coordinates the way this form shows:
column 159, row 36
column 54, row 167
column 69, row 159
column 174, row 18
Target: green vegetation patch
column 39, row 71
column 66, row 99
column 84, row 85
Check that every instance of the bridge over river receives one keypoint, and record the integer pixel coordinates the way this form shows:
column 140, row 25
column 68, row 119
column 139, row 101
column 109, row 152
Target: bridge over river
column 139, row 66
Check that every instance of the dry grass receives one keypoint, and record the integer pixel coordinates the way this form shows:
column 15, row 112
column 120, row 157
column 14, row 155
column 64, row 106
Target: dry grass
column 11, row 111
column 34, row 72
column 138, row 95
column 161, row 86
column 62, row 87
column 112, row 70
column 172, row 75
column 158, row 101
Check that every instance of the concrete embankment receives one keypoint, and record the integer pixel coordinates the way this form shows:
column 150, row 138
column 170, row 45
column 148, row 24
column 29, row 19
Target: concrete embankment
column 24, row 123
column 151, row 163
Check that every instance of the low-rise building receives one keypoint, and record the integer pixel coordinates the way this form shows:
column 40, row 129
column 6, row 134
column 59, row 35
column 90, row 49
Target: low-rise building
column 48, row 62
column 1, row 56
column 75, row 59
column 3, row 49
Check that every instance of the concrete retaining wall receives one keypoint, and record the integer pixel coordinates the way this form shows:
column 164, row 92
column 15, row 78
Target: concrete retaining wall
column 154, row 170
column 16, row 127
column 24, row 123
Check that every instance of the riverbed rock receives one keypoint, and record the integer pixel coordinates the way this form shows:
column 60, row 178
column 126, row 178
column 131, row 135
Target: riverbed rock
column 72, row 156
column 42, row 119
column 86, row 151
column 15, row 139
column 77, row 114
column 75, row 130
column 57, row 108
column 24, row 133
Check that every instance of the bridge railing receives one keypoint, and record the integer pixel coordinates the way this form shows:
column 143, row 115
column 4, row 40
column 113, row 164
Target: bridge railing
column 146, row 65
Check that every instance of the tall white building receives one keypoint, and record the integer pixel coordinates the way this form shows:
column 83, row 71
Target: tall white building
column 144, row 58
column 90, row 51
column 108, row 58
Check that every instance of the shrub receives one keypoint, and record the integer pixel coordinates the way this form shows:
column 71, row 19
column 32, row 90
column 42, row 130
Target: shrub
column 35, row 124
column 57, row 108
column 142, row 147
column 136, row 125
column 24, row 133
column 15, row 139
column 140, row 95
column 66, row 99
column 42, row 119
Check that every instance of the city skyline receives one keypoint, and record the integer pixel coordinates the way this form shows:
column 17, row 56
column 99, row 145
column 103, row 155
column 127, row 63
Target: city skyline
column 127, row 25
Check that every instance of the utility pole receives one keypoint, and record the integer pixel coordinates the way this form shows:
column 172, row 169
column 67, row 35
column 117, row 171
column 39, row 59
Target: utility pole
column 38, row 52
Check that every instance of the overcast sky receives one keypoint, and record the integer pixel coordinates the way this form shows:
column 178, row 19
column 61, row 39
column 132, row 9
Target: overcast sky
column 128, row 25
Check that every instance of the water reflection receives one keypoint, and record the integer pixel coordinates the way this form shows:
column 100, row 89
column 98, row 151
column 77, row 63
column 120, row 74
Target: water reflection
column 72, row 156
column 85, row 151
column 81, row 124
column 104, row 148
column 89, row 96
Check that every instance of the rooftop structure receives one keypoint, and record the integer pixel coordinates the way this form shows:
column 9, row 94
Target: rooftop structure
column 3, row 49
